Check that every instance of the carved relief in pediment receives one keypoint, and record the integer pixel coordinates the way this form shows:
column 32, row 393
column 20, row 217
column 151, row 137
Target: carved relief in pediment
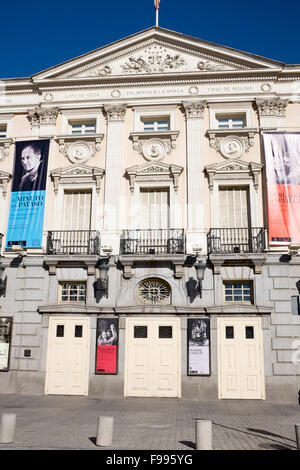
column 154, row 57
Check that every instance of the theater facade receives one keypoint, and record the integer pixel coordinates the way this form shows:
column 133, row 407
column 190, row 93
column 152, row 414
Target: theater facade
column 149, row 230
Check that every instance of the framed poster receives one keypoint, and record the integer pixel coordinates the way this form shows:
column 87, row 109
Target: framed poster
column 198, row 345
column 5, row 341
column 282, row 154
column 107, row 336
column 27, row 199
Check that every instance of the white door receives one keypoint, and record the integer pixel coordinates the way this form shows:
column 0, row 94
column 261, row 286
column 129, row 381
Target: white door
column 68, row 356
column 152, row 357
column 240, row 358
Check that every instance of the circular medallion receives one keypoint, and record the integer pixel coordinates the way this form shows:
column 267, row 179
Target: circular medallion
column 232, row 147
column 48, row 97
column 266, row 87
column 193, row 90
column 154, row 149
column 154, row 291
column 116, row 93
column 79, row 152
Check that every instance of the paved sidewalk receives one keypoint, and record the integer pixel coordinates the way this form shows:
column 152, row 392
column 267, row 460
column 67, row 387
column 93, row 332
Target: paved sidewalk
column 67, row 422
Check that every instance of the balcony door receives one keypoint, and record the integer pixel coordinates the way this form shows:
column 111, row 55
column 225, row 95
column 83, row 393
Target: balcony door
column 234, row 216
column 77, row 210
column 154, row 209
column 76, row 222
column 154, row 220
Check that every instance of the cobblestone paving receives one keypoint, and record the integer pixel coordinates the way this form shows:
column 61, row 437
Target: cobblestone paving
column 53, row 422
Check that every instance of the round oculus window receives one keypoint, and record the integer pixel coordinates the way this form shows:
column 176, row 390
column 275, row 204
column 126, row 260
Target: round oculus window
column 154, row 291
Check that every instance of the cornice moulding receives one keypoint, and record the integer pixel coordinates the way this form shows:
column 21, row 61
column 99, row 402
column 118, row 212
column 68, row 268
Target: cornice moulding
column 77, row 173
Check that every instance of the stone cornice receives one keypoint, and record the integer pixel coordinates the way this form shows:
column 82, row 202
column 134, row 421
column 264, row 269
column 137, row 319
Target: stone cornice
column 154, row 171
column 239, row 309
column 77, row 174
column 233, row 169
column 68, row 308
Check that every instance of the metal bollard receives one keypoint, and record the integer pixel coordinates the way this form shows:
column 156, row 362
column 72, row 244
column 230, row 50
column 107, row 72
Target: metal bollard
column 105, row 431
column 297, row 431
column 203, row 428
column 7, row 428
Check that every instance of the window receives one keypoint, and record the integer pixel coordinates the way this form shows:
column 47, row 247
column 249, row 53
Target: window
column 229, row 332
column 238, row 292
column 234, row 207
column 156, row 125
column 77, row 210
column 230, row 121
column 72, row 291
column 154, row 118
column 230, row 116
column 3, row 130
column 154, row 291
column 140, row 332
column 82, row 127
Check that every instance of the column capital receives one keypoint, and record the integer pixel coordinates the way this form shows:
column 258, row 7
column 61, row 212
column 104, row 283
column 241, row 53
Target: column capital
column 275, row 107
column 194, row 109
column 115, row 112
column 41, row 116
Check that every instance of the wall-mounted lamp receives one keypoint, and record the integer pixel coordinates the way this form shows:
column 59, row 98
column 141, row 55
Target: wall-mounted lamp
column 200, row 268
column 2, row 282
column 107, row 249
column 19, row 249
column 294, row 249
column 101, row 283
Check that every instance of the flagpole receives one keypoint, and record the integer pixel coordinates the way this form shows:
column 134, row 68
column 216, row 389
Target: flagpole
column 156, row 17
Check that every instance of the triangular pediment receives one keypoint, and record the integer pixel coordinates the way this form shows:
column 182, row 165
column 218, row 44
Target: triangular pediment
column 154, row 168
column 232, row 165
column 77, row 170
column 156, row 51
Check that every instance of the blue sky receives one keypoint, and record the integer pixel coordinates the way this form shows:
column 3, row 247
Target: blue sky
column 37, row 35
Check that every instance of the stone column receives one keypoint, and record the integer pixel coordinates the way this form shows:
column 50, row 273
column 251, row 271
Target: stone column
column 196, row 235
column 115, row 115
column 272, row 113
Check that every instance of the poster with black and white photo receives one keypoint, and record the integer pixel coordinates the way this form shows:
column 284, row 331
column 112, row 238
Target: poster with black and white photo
column 198, row 342
column 107, row 346
column 5, row 342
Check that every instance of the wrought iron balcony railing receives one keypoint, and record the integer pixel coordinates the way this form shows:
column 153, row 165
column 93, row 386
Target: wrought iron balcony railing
column 236, row 240
column 152, row 241
column 73, row 242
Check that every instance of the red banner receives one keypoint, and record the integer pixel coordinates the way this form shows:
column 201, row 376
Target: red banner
column 282, row 154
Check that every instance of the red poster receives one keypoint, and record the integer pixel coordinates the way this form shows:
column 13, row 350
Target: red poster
column 282, row 153
column 106, row 360
column 107, row 346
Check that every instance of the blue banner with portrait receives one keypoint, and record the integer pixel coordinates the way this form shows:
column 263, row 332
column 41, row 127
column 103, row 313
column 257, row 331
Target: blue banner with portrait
column 27, row 202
